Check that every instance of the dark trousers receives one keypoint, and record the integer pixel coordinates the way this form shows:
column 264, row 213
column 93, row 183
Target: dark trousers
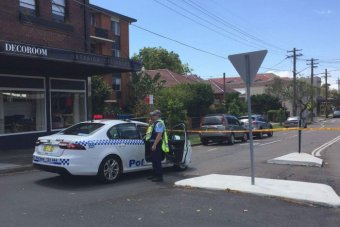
column 156, row 157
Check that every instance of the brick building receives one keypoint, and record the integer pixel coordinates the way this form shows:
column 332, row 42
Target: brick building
column 47, row 56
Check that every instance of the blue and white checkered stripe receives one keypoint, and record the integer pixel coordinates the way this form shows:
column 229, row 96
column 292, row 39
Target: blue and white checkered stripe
column 52, row 160
column 109, row 142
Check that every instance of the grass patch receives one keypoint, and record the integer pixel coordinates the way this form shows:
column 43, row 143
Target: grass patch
column 194, row 138
column 277, row 125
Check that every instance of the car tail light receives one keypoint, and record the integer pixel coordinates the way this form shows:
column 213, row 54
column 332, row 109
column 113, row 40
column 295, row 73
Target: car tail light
column 71, row 146
column 37, row 143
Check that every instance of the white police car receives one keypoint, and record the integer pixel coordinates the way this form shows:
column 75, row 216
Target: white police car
column 106, row 148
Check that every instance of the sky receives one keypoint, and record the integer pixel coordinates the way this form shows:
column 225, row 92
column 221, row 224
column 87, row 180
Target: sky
column 225, row 27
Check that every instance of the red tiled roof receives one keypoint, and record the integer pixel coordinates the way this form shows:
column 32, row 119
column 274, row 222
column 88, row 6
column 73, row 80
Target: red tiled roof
column 237, row 80
column 171, row 78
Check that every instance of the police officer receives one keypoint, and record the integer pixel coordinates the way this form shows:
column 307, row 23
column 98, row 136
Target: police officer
column 158, row 140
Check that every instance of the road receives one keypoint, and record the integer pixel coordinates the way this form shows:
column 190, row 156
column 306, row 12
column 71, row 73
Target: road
column 37, row 198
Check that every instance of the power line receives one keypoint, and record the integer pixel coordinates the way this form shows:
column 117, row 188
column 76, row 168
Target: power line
column 228, row 24
column 203, row 25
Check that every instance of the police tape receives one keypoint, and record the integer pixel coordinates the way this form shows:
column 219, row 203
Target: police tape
column 260, row 130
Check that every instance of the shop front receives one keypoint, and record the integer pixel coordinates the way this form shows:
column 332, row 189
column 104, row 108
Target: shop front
column 43, row 90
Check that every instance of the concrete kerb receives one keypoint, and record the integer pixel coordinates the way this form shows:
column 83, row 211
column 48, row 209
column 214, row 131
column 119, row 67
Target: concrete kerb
column 296, row 191
column 295, row 158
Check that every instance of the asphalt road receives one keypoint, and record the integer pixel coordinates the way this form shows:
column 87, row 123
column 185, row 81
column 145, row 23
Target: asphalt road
column 43, row 199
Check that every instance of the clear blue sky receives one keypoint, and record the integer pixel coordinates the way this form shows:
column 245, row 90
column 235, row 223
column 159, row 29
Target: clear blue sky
column 280, row 25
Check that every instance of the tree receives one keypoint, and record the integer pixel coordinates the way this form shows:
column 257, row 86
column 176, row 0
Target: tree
column 234, row 105
column 262, row 103
column 160, row 58
column 199, row 97
column 100, row 92
column 170, row 102
column 303, row 95
column 142, row 84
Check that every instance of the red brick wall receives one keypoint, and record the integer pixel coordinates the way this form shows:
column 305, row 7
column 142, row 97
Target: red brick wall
column 12, row 29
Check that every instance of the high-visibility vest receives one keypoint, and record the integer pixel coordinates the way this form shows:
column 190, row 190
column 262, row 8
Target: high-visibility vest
column 165, row 139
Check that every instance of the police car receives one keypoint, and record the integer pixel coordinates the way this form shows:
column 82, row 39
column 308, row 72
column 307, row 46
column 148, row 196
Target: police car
column 106, row 148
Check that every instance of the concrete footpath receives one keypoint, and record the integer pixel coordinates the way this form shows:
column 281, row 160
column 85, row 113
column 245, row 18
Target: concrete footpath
column 16, row 160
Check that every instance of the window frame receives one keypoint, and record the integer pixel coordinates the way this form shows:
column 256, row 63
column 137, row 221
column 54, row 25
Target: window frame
column 27, row 10
column 69, row 91
column 43, row 89
column 119, row 133
column 57, row 17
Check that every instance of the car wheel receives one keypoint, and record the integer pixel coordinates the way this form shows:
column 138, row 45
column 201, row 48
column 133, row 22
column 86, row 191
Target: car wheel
column 244, row 138
column 180, row 167
column 205, row 142
column 110, row 169
column 260, row 134
column 270, row 133
column 231, row 140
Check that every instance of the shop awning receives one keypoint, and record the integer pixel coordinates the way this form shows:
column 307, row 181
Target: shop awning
column 26, row 59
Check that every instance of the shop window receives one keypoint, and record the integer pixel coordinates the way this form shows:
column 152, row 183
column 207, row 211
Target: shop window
column 58, row 10
column 28, row 7
column 22, row 109
column 116, row 81
column 67, row 103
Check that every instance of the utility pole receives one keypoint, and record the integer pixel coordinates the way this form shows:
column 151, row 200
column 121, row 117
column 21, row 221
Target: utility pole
column 294, row 56
column 338, row 81
column 223, row 87
column 312, row 64
column 326, row 77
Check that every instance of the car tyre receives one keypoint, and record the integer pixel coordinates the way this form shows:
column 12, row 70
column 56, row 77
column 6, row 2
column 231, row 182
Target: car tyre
column 270, row 133
column 205, row 142
column 231, row 140
column 110, row 169
column 180, row 167
column 244, row 139
column 260, row 134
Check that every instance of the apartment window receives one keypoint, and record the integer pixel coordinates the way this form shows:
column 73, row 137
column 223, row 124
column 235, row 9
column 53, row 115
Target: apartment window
column 117, row 82
column 58, row 10
column 115, row 26
column 28, row 7
column 93, row 19
column 116, row 47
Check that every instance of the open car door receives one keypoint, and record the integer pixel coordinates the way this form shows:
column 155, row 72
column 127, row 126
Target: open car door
column 180, row 147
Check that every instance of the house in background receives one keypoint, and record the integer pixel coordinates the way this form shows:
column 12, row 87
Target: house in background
column 172, row 79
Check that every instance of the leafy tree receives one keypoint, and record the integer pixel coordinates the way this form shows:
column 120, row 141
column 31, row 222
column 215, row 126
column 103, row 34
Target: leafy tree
column 234, row 105
column 100, row 92
column 160, row 58
column 142, row 84
column 170, row 102
column 262, row 103
column 198, row 98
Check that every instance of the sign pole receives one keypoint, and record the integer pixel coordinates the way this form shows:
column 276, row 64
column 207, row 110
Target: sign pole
column 247, row 66
column 251, row 144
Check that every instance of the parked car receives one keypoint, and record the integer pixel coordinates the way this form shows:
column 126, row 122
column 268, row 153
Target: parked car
column 294, row 122
column 336, row 114
column 106, row 149
column 221, row 128
column 258, row 123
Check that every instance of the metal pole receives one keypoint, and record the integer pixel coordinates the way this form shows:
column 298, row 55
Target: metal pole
column 294, row 83
column 326, row 93
column 300, row 121
column 312, row 83
column 251, row 146
column 224, row 87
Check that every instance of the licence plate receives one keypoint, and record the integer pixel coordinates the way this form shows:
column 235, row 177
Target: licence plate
column 48, row 148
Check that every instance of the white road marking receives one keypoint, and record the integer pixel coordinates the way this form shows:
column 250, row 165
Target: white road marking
column 275, row 141
column 317, row 151
column 212, row 149
column 291, row 136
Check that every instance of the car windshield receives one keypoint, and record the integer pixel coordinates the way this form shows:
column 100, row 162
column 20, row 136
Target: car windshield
column 245, row 118
column 337, row 112
column 212, row 120
column 293, row 119
column 82, row 129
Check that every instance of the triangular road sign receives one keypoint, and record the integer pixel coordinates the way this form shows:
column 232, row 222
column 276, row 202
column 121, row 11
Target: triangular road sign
column 253, row 60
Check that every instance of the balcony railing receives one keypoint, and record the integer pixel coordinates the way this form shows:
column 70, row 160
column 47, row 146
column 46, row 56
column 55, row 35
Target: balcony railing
column 102, row 33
